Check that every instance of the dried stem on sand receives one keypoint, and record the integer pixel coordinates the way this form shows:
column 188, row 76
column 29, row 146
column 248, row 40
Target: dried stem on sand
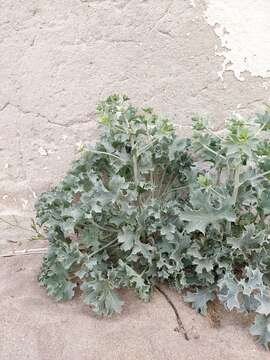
column 25, row 252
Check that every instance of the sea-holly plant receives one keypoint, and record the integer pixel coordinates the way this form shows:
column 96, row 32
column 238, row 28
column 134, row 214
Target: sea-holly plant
column 145, row 206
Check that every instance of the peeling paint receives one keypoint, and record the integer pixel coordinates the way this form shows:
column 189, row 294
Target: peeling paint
column 42, row 151
column 244, row 30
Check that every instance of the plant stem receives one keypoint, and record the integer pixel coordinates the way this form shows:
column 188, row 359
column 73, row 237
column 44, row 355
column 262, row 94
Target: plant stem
column 144, row 271
column 235, row 193
column 217, row 193
column 178, row 188
column 15, row 225
column 103, row 247
column 106, row 153
column 236, row 184
column 120, row 128
column 135, row 161
column 25, row 252
column 146, row 147
column 162, row 179
column 101, row 227
column 170, row 182
column 178, row 319
column 153, row 184
column 219, row 170
column 213, row 134
column 256, row 177
column 213, row 151
column 260, row 129
column 135, row 169
column 152, row 142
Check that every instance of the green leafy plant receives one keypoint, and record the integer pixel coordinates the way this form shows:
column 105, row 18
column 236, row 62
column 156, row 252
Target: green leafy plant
column 145, row 206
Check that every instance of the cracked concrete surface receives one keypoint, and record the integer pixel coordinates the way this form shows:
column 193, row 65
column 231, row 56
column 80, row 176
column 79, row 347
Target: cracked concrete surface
column 57, row 60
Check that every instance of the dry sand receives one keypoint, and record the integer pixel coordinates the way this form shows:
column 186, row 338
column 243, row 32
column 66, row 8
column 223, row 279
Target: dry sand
column 34, row 327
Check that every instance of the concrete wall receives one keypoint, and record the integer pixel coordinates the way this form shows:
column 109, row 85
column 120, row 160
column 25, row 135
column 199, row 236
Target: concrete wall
column 59, row 58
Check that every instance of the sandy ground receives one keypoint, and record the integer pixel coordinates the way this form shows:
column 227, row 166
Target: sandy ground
column 34, row 327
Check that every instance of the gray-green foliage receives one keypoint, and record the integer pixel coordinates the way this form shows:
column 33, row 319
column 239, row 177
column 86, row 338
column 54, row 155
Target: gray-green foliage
column 144, row 206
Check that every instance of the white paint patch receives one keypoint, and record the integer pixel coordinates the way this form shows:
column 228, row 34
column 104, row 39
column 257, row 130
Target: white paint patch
column 42, row 151
column 244, row 30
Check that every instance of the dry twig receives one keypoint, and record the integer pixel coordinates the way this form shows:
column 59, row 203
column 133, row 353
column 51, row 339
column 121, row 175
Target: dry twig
column 178, row 319
column 25, row 252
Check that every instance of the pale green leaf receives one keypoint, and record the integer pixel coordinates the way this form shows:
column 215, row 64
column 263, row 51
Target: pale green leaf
column 261, row 329
column 200, row 299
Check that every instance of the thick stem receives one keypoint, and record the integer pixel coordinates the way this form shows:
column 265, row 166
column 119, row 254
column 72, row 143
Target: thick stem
column 135, row 169
column 236, row 184
column 135, row 161
column 235, row 193
column 103, row 247
column 153, row 183
column 152, row 142
column 219, row 171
